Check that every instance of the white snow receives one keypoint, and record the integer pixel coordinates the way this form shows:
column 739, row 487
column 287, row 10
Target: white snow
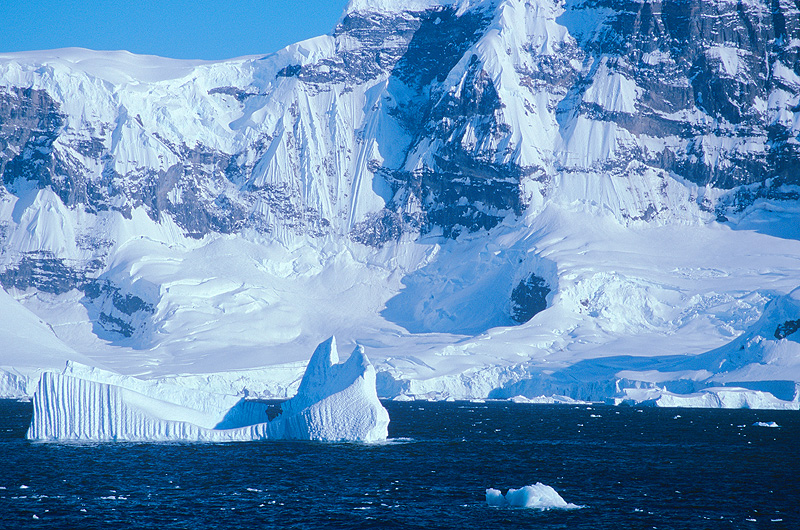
column 538, row 496
column 547, row 400
column 432, row 312
column 333, row 402
column 394, row 6
column 785, row 74
column 336, row 401
column 709, row 398
column 113, row 66
column 637, row 306
column 612, row 91
column 728, row 58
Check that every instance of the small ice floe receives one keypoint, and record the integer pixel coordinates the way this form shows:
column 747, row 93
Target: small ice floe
column 765, row 424
column 538, row 496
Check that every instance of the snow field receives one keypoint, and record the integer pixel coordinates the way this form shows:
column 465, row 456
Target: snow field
column 646, row 286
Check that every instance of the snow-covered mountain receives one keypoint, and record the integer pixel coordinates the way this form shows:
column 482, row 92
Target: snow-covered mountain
column 494, row 197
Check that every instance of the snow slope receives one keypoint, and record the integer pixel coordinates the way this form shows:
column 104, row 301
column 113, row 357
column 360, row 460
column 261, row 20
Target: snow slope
column 408, row 181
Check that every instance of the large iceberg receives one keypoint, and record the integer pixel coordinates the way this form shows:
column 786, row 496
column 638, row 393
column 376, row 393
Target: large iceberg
column 333, row 402
column 707, row 398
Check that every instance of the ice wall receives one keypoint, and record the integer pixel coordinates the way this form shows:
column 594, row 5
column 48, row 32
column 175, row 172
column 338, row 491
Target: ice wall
column 334, row 402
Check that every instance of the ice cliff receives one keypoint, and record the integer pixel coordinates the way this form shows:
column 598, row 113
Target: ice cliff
column 334, row 402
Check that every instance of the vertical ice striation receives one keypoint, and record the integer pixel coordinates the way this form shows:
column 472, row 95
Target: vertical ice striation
column 334, row 402
column 69, row 407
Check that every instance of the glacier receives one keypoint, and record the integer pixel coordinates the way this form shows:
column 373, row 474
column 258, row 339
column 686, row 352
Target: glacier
column 334, row 402
column 496, row 197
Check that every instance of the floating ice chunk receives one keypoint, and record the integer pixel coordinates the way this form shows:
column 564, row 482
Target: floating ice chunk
column 336, row 401
column 333, row 402
column 765, row 424
column 711, row 398
column 495, row 497
column 548, row 400
column 539, row 496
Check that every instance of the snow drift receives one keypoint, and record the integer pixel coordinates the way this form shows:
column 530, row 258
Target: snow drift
column 334, row 402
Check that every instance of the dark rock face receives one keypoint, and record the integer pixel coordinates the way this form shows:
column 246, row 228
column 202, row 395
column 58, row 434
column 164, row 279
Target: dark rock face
column 720, row 58
column 418, row 50
column 715, row 99
column 378, row 229
column 44, row 272
column 461, row 190
column 30, row 121
column 237, row 93
column 528, row 298
column 716, row 58
column 116, row 311
column 438, row 43
column 383, row 39
column 465, row 189
column 705, row 73
column 787, row 328
column 197, row 211
column 50, row 274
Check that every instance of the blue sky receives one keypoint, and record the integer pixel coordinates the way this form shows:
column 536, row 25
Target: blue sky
column 183, row 29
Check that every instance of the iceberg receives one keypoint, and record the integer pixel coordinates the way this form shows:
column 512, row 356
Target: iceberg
column 766, row 424
column 539, row 496
column 334, row 402
column 708, row 398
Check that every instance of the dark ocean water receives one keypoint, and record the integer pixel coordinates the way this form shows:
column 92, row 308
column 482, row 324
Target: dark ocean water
column 629, row 468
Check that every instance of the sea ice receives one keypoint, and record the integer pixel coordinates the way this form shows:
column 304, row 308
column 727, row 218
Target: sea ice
column 495, row 497
column 334, row 402
column 547, row 400
column 711, row 398
column 765, row 424
column 539, row 496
